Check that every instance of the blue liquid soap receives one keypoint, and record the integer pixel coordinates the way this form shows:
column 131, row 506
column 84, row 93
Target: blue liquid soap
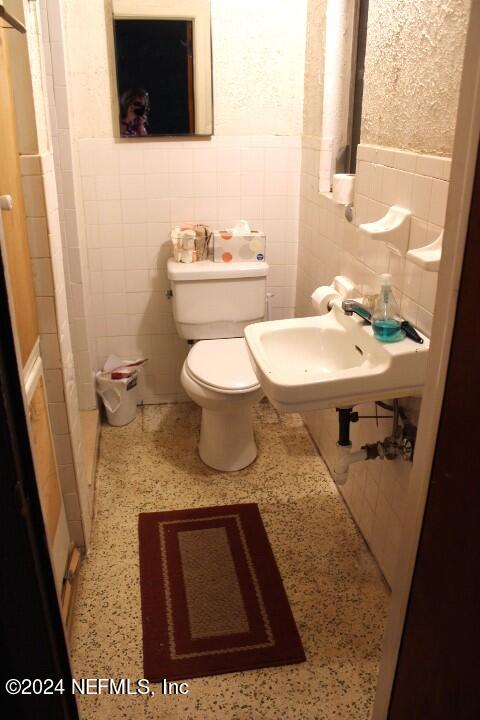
column 388, row 330
column 386, row 322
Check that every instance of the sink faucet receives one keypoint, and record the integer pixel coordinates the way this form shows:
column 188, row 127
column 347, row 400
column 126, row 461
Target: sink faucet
column 352, row 306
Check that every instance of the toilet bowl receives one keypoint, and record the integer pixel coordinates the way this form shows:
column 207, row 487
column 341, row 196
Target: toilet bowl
column 218, row 376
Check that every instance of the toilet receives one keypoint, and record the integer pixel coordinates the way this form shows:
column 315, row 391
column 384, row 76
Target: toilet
column 212, row 304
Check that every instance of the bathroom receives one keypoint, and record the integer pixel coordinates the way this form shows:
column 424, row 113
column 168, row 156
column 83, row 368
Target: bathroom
column 300, row 90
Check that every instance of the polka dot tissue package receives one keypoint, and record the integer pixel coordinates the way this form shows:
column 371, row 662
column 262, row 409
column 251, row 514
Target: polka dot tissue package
column 239, row 244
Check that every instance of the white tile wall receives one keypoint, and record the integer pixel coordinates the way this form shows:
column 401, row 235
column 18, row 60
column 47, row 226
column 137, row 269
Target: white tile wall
column 75, row 264
column 135, row 192
column 46, row 252
column 48, row 182
column 328, row 246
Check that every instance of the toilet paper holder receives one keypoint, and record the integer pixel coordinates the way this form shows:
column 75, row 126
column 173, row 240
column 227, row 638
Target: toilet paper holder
column 341, row 288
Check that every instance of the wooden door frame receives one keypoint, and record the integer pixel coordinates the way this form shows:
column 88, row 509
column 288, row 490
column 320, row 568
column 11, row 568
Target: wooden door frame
column 437, row 674
column 190, row 78
column 31, row 628
column 442, row 351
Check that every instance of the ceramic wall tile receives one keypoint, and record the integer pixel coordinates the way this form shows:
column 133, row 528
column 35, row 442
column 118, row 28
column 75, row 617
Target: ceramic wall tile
column 329, row 245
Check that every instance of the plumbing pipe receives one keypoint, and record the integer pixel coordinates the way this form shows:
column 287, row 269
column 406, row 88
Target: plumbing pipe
column 395, row 416
column 399, row 444
column 268, row 305
column 343, row 462
column 345, row 417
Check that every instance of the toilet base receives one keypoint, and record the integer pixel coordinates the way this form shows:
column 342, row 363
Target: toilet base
column 226, row 439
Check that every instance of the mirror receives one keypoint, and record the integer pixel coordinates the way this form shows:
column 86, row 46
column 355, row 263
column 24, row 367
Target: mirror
column 163, row 67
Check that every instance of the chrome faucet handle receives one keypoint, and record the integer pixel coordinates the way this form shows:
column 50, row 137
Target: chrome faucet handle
column 347, row 307
column 352, row 306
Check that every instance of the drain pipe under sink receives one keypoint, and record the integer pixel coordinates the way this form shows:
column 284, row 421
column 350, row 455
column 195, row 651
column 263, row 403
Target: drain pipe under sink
column 399, row 444
column 347, row 457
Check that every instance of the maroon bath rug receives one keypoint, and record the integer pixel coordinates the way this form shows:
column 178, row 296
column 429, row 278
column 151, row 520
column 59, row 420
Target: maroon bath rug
column 212, row 596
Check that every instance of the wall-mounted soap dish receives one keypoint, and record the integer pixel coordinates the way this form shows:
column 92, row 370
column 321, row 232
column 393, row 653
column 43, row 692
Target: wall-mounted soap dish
column 393, row 229
column 429, row 256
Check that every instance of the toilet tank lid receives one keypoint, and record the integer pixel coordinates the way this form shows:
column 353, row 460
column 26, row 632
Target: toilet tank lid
column 209, row 270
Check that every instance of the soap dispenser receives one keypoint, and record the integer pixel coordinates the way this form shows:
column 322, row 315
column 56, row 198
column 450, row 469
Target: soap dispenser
column 386, row 320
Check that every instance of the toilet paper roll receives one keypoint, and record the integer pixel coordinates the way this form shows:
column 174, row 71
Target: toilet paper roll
column 180, row 234
column 188, row 256
column 322, row 297
column 343, row 185
column 188, row 243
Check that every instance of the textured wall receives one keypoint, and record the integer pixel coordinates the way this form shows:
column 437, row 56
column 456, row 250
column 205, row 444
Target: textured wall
column 90, row 80
column 258, row 66
column 258, row 61
column 412, row 73
column 28, row 80
column 314, row 67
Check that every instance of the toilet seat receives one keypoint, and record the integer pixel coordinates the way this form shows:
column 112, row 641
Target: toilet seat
column 222, row 365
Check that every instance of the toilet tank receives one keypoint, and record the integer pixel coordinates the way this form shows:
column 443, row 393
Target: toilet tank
column 216, row 300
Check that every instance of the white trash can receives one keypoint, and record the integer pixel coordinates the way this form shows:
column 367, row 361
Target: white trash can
column 119, row 397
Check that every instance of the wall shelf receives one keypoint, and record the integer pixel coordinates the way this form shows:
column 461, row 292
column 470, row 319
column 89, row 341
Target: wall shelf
column 393, row 229
column 429, row 256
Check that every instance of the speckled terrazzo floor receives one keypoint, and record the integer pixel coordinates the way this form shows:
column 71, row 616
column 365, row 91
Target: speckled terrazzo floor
column 335, row 589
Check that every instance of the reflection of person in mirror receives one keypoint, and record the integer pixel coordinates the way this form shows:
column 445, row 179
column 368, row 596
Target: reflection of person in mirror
column 134, row 109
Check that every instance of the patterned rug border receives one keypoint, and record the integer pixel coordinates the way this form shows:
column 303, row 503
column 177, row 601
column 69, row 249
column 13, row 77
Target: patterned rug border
column 168, row 650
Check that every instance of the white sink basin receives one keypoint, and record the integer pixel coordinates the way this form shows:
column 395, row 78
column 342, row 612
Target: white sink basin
column 332, row 360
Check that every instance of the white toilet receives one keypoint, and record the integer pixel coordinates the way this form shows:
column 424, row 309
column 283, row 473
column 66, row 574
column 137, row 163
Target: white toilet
column 212, row 303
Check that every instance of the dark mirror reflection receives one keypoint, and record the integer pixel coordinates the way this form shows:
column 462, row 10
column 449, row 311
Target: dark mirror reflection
column 154, row 61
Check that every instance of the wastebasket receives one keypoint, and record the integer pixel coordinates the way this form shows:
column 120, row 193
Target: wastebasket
column 119, row 397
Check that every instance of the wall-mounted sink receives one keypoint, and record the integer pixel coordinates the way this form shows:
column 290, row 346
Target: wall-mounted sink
column 332, row 360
